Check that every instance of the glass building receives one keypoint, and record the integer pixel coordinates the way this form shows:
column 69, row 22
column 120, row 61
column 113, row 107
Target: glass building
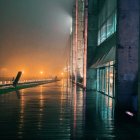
column 110, row 44
column 106, row 79
column 105, row 51
column 113, row 50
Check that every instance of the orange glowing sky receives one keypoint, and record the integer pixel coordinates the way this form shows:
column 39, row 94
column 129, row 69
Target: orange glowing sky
column 33, row 36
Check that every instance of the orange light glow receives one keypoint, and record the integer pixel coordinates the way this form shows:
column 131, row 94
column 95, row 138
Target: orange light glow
column 23, row 71
column 41, row 72
column 111, row 74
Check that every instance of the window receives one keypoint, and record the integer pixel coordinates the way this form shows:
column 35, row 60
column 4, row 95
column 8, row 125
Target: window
column 111, row 81
column 110, row 26
column 107, row 21
column 103, row 33
column 99, row 38
column 111, row 5
column 106, row 79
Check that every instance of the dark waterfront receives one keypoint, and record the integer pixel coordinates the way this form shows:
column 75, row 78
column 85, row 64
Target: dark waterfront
column 57, row 111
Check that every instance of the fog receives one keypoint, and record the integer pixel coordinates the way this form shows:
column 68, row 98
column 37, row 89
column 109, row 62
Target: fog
column 33, row 36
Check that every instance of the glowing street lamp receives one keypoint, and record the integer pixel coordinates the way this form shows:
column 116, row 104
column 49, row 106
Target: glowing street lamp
column 41, row 72
column 23, row 71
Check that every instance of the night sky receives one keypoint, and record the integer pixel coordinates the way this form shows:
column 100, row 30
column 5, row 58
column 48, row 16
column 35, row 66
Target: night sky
column 33, row 35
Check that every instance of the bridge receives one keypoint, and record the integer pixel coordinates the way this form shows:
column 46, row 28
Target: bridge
column 94, row 47
column 16, row 84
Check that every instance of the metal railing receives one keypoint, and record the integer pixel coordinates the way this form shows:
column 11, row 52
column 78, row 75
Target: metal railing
column 10, row 83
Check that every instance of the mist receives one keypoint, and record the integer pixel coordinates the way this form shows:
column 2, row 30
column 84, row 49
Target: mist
column 33, row 37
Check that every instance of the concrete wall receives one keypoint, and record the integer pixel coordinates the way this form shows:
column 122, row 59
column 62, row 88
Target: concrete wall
column 92, row 42
column 91, row 79
column 127, row 53
column 77, row 48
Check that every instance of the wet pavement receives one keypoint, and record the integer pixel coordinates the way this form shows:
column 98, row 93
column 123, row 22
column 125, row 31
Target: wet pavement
column 60, row 111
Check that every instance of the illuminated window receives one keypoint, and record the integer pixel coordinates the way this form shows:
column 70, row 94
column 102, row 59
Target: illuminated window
column 99, row 38
column 103, row 33
column 110, row 26
column 107, row 21
column 106, row 79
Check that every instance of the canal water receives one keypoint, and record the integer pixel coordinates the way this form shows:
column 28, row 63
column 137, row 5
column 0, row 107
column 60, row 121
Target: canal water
column 61, row 111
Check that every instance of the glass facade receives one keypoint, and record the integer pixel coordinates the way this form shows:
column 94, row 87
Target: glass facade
column 105, row 107
column 107, row 21
column 106, row 79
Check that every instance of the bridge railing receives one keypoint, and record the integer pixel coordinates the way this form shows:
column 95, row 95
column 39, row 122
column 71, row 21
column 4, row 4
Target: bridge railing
column 9, row 83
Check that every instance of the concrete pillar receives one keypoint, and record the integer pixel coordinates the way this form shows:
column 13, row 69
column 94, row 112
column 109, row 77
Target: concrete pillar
column 92, row 42
column 91, row 79
column 127, row 54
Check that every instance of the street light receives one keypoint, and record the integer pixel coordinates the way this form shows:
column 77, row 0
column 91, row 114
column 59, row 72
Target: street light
column 41, row 72
column 23, row 71
column 62, row 74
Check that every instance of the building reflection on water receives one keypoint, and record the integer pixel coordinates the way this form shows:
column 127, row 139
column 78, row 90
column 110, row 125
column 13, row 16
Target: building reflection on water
column 78, row 112
column 105, row 107
column 60, row 111
column 99, row 116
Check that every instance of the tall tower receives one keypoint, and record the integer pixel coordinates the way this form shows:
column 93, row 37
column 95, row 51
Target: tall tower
column 77, row 48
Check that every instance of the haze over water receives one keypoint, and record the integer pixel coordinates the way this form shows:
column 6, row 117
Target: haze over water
column 33, row 37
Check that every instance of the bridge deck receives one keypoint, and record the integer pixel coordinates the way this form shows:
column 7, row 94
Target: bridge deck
column 58, row 111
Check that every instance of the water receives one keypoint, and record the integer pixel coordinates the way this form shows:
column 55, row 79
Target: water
column 56, row 111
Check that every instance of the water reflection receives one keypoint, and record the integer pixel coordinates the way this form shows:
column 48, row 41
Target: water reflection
column 20, row 95
column 78, row 112
column 105, row 107
column 61, row 111
column 17, row 93
column 41, row 108
column 75, row 107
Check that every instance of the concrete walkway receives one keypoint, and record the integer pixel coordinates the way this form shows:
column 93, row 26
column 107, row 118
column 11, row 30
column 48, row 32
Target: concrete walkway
column 58, row 111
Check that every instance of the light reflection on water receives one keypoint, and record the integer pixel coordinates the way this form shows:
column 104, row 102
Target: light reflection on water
column 60, row 111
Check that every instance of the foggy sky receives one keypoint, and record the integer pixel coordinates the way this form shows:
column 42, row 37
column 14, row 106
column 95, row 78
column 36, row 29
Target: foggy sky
column 33, row 35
